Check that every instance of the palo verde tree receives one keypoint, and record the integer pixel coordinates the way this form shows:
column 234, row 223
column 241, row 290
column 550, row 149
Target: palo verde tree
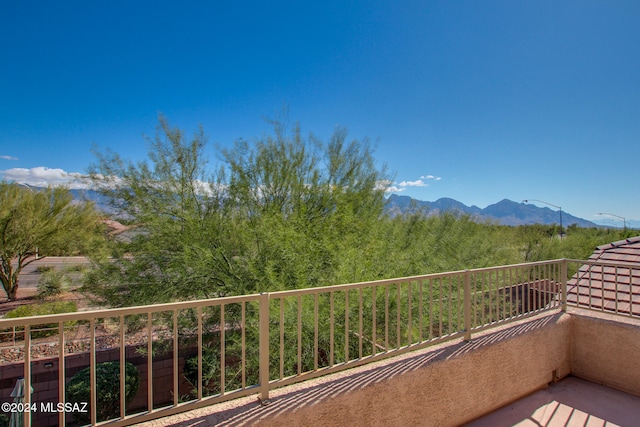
column 274, row 214
column 183, row 246
column 40, row 222
column 305, row 203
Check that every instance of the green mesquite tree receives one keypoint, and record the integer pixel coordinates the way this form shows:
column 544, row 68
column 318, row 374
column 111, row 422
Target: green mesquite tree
column 274, row 214
column 39, row 222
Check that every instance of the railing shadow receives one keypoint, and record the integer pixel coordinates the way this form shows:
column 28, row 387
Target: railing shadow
column 251, row 411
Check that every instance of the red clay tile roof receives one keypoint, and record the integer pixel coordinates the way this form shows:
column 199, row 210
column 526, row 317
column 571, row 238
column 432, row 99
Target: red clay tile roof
column 599, row 287
column 114, row 227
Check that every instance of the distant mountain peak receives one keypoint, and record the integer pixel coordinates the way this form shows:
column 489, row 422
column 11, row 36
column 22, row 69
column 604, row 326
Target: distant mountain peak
column 505, row 212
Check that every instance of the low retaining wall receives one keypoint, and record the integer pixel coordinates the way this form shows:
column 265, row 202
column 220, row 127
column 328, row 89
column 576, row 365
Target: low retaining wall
column 44, row 374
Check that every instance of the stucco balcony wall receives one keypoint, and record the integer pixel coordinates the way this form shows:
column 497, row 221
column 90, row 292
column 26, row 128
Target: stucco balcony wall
column 445, row 385
column 452, row 383
column 460, row 382
column 606, row 350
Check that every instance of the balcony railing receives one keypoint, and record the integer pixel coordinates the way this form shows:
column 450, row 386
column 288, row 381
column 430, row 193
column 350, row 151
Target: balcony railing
column 197, row 353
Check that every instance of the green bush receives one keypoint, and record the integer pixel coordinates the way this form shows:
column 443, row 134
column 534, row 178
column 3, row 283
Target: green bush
column 107, row 389
column 53, row 283
column 76, row 268
column 211, row 369
column 54, row 307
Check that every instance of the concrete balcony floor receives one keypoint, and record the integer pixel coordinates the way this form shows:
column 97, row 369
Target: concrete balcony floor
column 570, row 402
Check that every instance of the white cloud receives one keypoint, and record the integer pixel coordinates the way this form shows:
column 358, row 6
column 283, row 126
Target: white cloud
column 435, row 178
column 43, row 177
column 416, row 183
column 8, row 158
column 394, row 189
column 398, row 187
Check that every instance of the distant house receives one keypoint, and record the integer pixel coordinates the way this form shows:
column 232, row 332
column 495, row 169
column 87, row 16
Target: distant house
column 599, row 287
column 120, row 232
column 114, row 227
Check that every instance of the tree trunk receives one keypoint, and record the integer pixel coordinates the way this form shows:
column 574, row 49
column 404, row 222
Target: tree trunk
column 10, row 285
column 12, row 293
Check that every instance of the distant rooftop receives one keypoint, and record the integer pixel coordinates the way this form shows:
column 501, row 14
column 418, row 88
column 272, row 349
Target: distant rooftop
column 599, row 287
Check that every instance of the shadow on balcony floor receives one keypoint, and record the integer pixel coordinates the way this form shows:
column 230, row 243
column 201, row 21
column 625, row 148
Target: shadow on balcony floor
column 571, row 402
column 305, row 395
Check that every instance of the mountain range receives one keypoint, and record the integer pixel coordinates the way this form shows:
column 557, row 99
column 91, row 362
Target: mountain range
column 505, row 212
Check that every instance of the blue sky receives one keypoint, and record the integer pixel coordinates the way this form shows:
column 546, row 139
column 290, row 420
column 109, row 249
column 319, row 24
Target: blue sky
column 473, row 100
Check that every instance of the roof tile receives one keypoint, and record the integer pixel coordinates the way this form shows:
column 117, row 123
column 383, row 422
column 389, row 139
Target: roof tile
column 600, row 287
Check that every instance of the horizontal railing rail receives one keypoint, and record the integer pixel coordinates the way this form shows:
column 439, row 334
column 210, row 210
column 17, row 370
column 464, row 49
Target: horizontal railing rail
column 177, row 331
column 196, row 353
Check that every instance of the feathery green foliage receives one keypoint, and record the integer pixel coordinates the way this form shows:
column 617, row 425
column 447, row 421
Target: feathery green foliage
column 284, row 212
column 43, row 309
column 288, row 212
column 277, row 214
column 40, row 222
column 78, row 390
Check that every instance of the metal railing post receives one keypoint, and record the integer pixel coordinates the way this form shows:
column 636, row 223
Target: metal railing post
column 467, row 305
column 27, row 375
column 264, row 346
column 491, row 297
column 93, row 399
column 563, row 273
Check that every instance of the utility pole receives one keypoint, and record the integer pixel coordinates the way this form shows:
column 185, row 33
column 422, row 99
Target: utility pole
column 552, row 205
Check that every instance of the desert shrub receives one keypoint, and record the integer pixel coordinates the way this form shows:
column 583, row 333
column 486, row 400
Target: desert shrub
column 107, row 389
column 210, row 371
column 76, row 268
column 53, row 283
column 211, row 358
column 54, row 307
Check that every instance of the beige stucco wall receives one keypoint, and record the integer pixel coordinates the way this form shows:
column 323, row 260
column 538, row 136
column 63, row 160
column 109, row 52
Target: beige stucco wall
column 451, row 383
column 444, row 385
column 459, row 383
column 606, row 350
